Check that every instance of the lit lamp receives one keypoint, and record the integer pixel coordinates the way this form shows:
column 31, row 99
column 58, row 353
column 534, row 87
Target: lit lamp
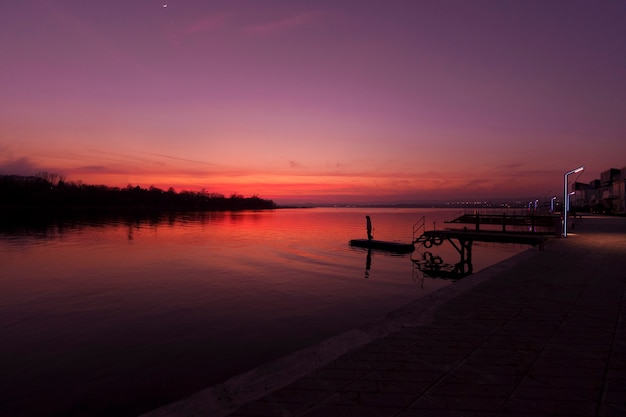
column 569, row 199
column 566, row 199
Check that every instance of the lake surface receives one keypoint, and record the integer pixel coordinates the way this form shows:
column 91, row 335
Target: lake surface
column 121, row 316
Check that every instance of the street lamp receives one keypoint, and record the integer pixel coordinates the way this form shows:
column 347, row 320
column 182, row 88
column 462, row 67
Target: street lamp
column 566, row 198
column 552, row 204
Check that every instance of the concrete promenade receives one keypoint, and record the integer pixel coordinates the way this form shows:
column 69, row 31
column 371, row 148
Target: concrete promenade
column 540, row 334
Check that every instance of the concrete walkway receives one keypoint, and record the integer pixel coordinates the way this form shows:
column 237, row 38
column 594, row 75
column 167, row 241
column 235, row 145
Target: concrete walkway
column 541, row 334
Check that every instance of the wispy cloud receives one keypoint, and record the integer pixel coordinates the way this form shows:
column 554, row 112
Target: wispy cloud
column 95, row 168
column 207, row 23
column 12, row 161
column 118, row 157
column 283, row 24
column 179, row 159
column 18, row 166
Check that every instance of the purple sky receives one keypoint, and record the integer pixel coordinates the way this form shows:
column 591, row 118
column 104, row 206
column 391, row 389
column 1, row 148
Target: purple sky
column 334, row 101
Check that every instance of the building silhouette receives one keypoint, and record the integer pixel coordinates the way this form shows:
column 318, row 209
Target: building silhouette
column 604, row 195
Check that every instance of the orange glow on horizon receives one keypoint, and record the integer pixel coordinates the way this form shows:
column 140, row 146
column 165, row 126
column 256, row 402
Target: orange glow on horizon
column 366, row 180
column 329, row 188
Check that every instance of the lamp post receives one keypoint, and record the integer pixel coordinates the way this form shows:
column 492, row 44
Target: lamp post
column 566, row 198
column 552, row 204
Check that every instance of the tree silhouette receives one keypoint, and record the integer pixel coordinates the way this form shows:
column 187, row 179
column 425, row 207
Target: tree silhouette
column 46, row 191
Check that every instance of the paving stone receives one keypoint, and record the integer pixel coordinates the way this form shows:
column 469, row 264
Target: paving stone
column 410, row 362
column 339, row 374
column 317, row 384
column 394, row 386
column 615, row 397
column 262, row 408
column 403, row 376
column 427, row 413
column 548, row 368
column 351, row 364
column 611, row 411
column 487, row 405
column 478, row 377
column 550, row 407
column 340, row 406
column 541, row 391
column 501, row 358
column 381, row 399
column 299, row 396
column 460, row 387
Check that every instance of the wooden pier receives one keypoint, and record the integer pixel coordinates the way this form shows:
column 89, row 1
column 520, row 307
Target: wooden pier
column 484, row 236
column 530, row 220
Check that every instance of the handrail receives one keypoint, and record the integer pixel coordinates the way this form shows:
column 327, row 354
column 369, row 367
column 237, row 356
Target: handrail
column 419, row 225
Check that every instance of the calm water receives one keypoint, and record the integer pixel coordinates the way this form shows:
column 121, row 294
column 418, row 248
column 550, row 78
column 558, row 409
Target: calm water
column 122, row 316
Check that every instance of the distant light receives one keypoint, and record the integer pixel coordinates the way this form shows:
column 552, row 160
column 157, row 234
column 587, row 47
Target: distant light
column 164, row 4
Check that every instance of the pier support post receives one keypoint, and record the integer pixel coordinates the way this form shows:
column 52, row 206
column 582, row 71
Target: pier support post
column 465, row 251
column 466, row 256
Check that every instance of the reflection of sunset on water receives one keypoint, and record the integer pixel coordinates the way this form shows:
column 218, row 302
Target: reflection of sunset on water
column 135, row 303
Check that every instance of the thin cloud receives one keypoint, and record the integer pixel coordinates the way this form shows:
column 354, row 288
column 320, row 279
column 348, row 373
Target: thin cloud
column 94, row 168
column 208, row 23
column 120, row 157
column 18, row 166
column 180, row 159
column 284, row 24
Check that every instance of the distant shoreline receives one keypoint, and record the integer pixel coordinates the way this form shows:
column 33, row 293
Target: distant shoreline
column 37, row 194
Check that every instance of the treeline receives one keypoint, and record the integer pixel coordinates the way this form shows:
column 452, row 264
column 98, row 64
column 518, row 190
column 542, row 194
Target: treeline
column 49, row 191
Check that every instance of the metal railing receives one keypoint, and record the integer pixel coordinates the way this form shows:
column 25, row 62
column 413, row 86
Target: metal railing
column 419, row 228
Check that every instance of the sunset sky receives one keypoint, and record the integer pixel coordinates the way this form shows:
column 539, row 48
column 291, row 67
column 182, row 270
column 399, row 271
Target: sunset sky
column 315, row 101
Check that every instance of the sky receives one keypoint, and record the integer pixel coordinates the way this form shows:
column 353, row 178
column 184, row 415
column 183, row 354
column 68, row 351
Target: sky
column 334, row 101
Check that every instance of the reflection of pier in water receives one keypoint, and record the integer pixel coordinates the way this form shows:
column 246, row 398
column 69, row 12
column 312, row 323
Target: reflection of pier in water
column 435, row 267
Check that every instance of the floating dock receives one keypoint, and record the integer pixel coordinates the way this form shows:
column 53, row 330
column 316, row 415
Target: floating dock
column 395, row 247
